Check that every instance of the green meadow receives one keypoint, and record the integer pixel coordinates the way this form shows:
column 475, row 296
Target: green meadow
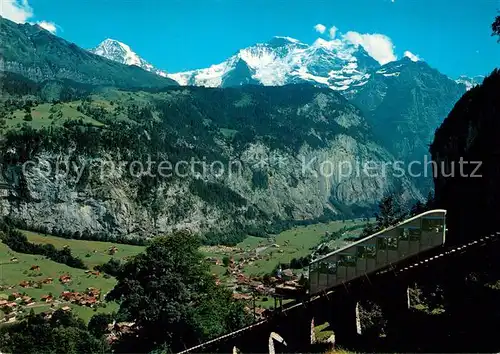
column 92, row 253
column 48, row 114
column 13, row 272
column 294, row 243
column 282, row 248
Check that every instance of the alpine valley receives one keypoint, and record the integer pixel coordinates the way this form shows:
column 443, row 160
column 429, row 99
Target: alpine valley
column 283, row 110
column 404, row 101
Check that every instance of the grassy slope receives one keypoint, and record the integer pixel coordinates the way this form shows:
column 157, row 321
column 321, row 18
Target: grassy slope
column 41, row 113
column 11, row 274
column 110, row 100
column 300, row 240
column 97, row 250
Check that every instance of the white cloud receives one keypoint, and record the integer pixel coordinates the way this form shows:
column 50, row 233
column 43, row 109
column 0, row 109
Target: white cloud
column 319, row 28
column 20, row 11
column 412, row 56
column 49, row 26
column 333, row 32
column 17, row 11
column 379, row 46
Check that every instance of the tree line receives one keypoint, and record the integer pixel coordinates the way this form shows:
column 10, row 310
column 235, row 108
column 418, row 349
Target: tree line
column 63, row 332
column 18, row 242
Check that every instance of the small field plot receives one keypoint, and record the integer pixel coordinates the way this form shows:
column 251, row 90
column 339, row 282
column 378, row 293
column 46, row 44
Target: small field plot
column 92, row 253
column 48, row 114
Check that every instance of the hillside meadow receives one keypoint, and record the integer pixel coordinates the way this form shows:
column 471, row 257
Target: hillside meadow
column 48, row 114
column 15, row 267
column 91, row 252
column 282, row 248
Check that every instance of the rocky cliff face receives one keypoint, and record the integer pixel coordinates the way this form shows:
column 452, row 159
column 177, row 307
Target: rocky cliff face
column 56, row 204
column 466, row 148
column 405, row 101
column 302, row 152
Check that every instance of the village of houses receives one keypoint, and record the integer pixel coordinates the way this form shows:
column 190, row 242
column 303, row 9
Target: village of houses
column 248, row 270
column 17, row 301
column 248, row 288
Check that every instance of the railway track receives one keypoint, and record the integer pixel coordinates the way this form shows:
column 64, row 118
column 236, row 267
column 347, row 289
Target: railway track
column 436, row 255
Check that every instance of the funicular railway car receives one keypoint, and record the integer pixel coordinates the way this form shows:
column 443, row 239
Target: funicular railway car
column 375, row 252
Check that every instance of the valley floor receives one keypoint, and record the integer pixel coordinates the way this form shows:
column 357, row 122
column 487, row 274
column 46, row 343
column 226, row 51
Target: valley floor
column 34, row 278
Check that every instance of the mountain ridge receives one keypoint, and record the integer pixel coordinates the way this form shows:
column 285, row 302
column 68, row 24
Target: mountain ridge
column 283, row 60
column 337, row 64
column 469, row 81
column 280, row 115
column 120, row 52
column 283, row 137
column 404, row 102
column 37, row 54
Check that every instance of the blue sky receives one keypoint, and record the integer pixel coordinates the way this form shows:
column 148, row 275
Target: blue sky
column 176, row 35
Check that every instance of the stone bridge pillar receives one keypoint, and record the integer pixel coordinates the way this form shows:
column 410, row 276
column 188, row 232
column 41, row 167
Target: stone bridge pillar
column 343, row 319
column 295, row 328
column 393, row 298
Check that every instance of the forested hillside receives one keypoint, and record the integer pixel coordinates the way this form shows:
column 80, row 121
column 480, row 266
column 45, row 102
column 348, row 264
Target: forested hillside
column 252, row 159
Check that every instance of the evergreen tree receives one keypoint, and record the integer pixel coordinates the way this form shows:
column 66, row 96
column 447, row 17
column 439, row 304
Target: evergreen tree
column 368, row 230
column 170, row 294
column 430, row 203
column 390, row 212
column 98, row 324
column 417, row 208
column 496, row 27
column 61, row 333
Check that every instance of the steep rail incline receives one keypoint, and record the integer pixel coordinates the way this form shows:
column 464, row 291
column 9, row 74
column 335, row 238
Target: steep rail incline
column 292, row 314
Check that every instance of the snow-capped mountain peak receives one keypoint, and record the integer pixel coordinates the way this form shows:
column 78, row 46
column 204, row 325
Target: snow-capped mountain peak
column 117, row 51
column 336, row 64
column 283, row 40
column 470, row 82
column 122, row 53
column 328, row 45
